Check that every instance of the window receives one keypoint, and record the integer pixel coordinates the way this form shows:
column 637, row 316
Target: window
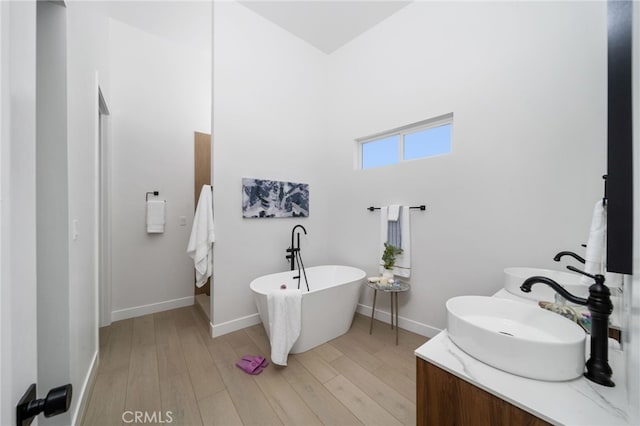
column 380, row 152
column 419, row 140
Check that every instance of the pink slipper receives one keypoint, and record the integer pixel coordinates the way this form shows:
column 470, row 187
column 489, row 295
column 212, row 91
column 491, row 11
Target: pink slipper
column 249, row 367
column 252, row 364
column 257, row 358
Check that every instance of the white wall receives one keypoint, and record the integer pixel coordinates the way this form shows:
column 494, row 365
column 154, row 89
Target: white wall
column 87, row 66
column 269, row 122
column 160, row 94
column 527, row 85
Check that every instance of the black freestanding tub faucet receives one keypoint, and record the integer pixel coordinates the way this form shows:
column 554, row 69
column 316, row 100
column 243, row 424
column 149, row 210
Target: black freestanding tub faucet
column 600, row 307
column 293, row 249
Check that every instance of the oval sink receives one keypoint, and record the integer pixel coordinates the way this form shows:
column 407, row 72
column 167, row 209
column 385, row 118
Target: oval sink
column 514, row 277
column 517, row 338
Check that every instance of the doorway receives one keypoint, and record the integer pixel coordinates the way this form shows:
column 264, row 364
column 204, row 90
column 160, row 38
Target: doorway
column 202, row 176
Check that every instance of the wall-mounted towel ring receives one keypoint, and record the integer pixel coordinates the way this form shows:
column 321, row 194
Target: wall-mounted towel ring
column 154, row 193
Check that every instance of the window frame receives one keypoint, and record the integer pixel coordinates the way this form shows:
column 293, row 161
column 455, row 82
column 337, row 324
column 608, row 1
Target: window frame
column 401, row 132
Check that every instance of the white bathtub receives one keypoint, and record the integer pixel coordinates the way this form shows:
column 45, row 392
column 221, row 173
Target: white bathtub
column 327, row 309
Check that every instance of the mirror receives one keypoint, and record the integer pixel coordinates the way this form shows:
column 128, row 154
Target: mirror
column 619, row 188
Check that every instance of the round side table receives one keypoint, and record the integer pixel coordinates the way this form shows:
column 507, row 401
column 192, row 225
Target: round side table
column 393, row 290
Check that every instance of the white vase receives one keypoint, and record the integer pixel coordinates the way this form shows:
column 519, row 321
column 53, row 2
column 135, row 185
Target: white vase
column 388, row 273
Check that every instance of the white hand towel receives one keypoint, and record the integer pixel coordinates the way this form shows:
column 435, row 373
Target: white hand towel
column 285, row 317
column 202, row 237
column 402, row 267
column 155, row 216
column 394, row 212
column 596, row 252
column 594, row 255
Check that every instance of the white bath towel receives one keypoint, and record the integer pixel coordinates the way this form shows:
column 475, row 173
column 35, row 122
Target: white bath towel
column 155, row 216
column 285, row 317
column 596, row 252
column 200, row 247
column 402, row 267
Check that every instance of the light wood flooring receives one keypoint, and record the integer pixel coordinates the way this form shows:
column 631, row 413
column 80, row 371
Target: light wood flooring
column 168, row 362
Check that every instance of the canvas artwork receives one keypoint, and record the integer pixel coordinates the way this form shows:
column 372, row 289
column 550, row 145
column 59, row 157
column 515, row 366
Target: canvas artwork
column 270, row 198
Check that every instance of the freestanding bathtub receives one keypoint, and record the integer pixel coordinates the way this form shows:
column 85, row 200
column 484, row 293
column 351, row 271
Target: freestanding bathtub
column 327, row 308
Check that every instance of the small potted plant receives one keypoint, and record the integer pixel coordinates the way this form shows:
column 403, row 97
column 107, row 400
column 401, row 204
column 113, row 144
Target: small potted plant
column 389, row 259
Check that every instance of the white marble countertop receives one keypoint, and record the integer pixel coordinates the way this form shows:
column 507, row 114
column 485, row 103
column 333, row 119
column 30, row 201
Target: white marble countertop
column 575, row 402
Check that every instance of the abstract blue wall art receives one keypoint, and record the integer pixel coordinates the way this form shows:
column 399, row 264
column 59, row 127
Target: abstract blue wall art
column 270, row 198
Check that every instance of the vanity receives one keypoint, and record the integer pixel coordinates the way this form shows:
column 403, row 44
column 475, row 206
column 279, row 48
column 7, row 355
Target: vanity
column 456, row 388
column 444, row 398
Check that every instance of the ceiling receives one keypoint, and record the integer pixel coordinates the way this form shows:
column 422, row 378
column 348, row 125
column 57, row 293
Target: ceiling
column 185, row 22
column 327, row 25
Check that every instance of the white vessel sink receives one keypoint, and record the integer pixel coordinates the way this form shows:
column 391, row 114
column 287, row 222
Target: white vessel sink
column 514, row 277
column 516, row 337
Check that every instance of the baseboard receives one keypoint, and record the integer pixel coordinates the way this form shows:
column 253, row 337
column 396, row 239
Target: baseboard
column 234, row 325
column 404, row 323
column 85, row 392
column 138, row 311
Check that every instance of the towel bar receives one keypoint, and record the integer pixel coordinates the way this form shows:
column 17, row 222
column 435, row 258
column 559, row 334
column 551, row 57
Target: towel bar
column 421, row 207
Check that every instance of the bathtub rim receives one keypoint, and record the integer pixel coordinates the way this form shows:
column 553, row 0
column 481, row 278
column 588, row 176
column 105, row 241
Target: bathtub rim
column 253, row 287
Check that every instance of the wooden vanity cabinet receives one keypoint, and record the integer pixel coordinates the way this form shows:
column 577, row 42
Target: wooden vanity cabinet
column 444, row 399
